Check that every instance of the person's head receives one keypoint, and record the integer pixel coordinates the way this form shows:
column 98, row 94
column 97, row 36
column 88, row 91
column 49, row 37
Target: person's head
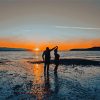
column 47, row 48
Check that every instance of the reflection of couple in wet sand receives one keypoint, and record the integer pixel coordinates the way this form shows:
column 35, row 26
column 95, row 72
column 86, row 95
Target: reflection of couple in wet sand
column 48, row 89
column 46, row 58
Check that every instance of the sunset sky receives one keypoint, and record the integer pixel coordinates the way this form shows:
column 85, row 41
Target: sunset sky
column 40, row 23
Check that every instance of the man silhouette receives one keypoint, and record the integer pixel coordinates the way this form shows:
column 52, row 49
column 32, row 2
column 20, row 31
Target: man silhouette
column 46, row 58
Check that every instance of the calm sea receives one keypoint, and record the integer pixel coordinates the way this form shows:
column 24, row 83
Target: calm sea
column 17, row 55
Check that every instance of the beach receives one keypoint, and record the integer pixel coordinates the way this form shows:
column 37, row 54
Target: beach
column 22, row 80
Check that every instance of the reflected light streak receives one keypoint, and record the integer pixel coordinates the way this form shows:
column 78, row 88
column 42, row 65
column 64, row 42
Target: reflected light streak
column 38, row 81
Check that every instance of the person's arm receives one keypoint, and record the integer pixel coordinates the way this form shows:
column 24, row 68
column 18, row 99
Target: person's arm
column 54, row 48
column 43, row 55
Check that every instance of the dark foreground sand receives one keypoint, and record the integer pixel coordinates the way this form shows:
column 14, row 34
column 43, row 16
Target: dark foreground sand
column 66, row 62
column 22, row 80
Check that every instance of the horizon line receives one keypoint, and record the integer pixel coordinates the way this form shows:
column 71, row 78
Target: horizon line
column 42, row 50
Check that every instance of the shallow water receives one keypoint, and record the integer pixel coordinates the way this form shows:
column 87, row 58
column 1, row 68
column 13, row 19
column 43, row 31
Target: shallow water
column 20, row 80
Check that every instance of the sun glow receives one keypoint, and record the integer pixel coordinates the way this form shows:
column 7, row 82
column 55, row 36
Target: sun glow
column 36, row 49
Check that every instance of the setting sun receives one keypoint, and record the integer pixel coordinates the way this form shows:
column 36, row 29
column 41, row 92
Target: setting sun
column 36, row 49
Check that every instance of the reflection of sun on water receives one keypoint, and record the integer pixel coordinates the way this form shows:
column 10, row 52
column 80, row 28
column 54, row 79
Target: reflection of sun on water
column 38, row 73
column 37, row 53
column 38, row 81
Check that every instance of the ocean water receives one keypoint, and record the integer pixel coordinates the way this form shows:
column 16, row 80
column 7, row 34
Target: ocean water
column 21, row 80
column 92, row 55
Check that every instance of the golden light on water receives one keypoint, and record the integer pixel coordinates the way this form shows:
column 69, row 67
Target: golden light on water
column 38, row 71
column 38, row 80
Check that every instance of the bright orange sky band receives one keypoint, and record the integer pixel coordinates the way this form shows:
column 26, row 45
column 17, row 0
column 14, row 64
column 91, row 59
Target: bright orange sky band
column 62, row 45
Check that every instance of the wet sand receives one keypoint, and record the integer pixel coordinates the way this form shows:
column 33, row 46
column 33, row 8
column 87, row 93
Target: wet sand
column 21, row 80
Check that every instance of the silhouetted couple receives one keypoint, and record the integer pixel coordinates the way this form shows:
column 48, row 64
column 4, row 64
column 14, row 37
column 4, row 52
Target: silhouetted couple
column 46, row 58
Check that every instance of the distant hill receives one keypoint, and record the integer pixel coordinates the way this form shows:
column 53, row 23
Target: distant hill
column 12, row 49
column 87, row 49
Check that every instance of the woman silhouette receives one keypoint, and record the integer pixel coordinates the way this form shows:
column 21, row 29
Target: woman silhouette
column 56, row 60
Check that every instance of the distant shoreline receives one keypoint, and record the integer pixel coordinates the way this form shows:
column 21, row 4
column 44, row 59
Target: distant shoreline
column 13, row 49
column 23, row 49
column 87, row 49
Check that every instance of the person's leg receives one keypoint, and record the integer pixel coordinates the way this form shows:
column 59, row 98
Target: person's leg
column 47, row 68
column 56, row 68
